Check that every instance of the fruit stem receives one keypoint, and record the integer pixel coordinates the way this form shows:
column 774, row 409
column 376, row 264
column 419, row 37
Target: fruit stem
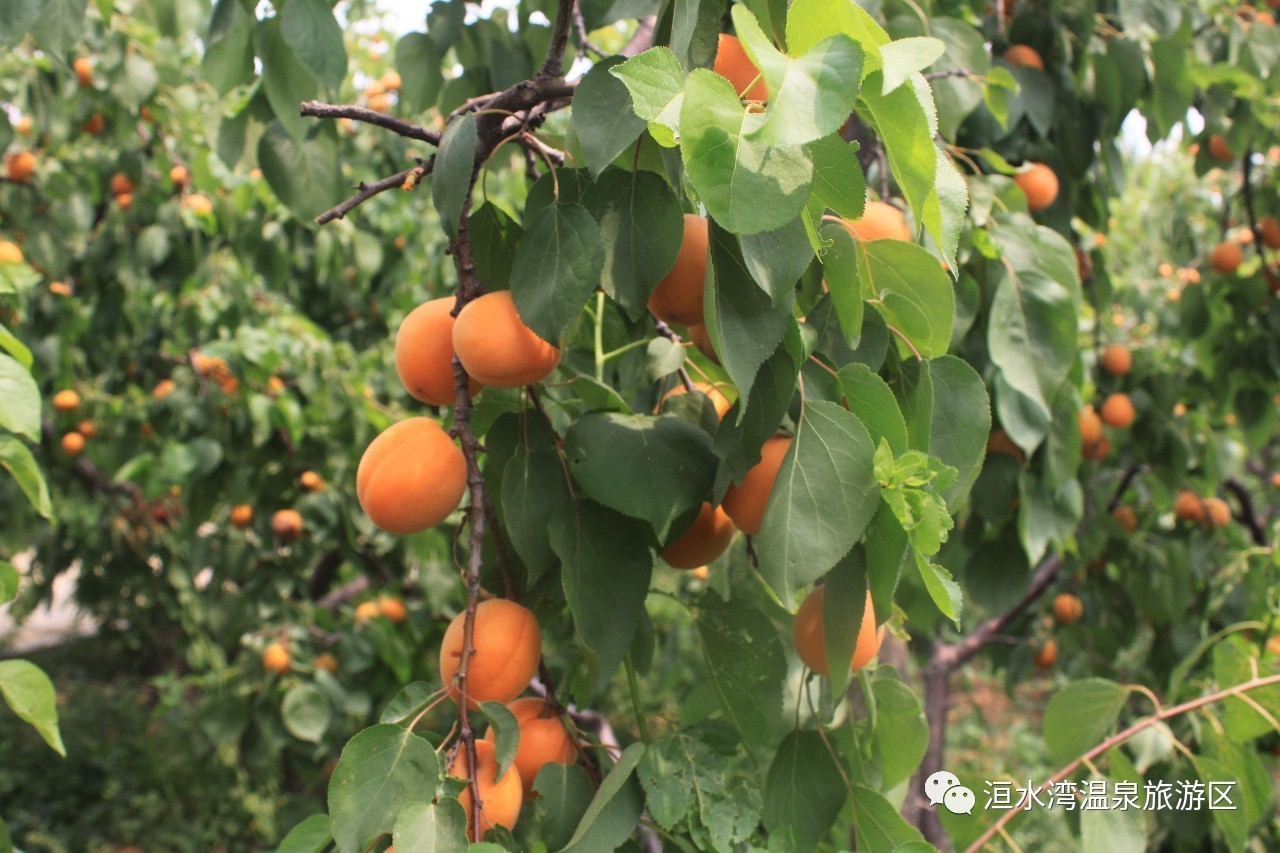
column 641, row 723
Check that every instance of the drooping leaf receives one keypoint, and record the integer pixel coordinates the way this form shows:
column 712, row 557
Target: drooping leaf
column 560, row 261
column 803, row 791
column 615, row 809
column 603, row 117
column 303, row 175
column 746, row 664
column 18, row 461
column 380, row 771
column 452, row 174
column 286, row 82
column 29, row 694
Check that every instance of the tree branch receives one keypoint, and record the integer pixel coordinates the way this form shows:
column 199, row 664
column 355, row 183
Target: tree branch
column 407, row 179
column 553, row 65
column 88, row 473
column 1247, row 516
column 316, row 109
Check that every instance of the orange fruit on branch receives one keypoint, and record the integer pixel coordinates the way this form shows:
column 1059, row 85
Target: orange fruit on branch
column 66, row 400
column 1040, row 184
column 10, row 253
column 411, row 477
column 678, row 297
column 718, row 399
column 705, row 540
column 22, row 166
column 241, row 516
column 1117, row 411
column 508, row 647
column 543, row 739
column 879, row 221
column 745, row 502
column 497, row 348
column 1067, row 608
column 1219, row 149
column 73, row 444
column 500, row 799
column 1226, row 257
column 83, row 66
column 733, row 64
column 121, row 184
column 810, row 636
column 275, row 658
column 1023, row 56
column 424, row 353
column 1117, row 360
column 287, row 525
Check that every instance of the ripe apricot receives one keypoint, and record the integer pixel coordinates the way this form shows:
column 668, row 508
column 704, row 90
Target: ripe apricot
column 1270, row 229
column 678, row 297
column 198, row 204
column 424, row 353
column 241, row 516
column 508, row 646
column 706, row 539
column 1067, row 608
column 327, row 662
column 311, row 481
column 500, row 799
column 718, row 399
column 380, row 102
column 810, row 636
column 66, row 400
column 1188, row 506
column 543, row 739
column 1117, row 360
column 497, row 348
column 83, row 67
column 275, row 385
column 24, row 126
column 87, row 428
column 367, row 610
column 1099, row 449
column 390, row 81
column 1219, row 512
column 22, row 166
column 125, row 200
column 1126, row 518
column 73, row 444
column 702, row 340
column 163, row 389
column 60, row 288
column 1226, row 257
column 286, row 524
column 1090, row 426
column 1023, row 56
column 10, row 253
column 1047, row 655
column 745, row 502
column 733, row 64
column 94, row 125
column 411, row 477
column 999, row 442
column 178, row 176
column 1040, row 184
column 1117, row 411
column 879, row 221
column 1219, row 149
column 275, row 658
column 392, row 608
column 121, row 184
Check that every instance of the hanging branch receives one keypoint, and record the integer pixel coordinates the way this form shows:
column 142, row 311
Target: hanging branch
column 406, row 179
column 1247, row 515
column 316, row 109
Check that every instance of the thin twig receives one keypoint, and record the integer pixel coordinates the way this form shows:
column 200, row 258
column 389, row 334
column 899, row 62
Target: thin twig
column 553, row 65
column 1247, row 516
column 316, row 109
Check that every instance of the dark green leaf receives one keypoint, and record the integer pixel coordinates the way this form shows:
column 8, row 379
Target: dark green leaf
column 838, row 182
column 310, row 836
column 603, row 117
column 533, row 487
column 871, row 400
column 312, row 33
column 803, row 790
column 494, row 239
column 285, row 81
column 1081, row 715
column 560, row 261
column 418, row 61
column 506, row 732
column 304, row 175
column 615, row 809
column 18, row 461
column 776, row 259
column 746, row 664
column 380, row 771
column 564, row 793
column 451, row 177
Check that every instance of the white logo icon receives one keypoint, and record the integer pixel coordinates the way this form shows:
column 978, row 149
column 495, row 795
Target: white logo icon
column 945, row 788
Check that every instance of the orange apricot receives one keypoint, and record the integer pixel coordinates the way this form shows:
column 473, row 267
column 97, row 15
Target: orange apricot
column 1188, row 506
column 1270, row 229
column 1040, row 184
column 411, row 477
column 198, row 204
column 718, row 399
column 879, row 221
column 275, row 658
column 1117, row 360
column 1023, row 56
column 22, row 166
column 390, row 81
column 497, row 348
column 311, row 481
column 73, row 444
column 508, row 646
column 745, row 502
column 706, row 539
column 810, row 636
column 83, row 67
column 241, row 516
column 543, row 739
column 66, row 400
column 366, row 611
column 10, row 253
column 500, row 799
column 424, row 353
column 1219, row 512
column 1047, row 655
column 326, row 662
column 1067, row 608
column 1126, row 518
column 287, row 524
column 87, row 428
column 1219, row 149
column 121, row 184
column 678, row 297
column 701, row 339
column 163, row 389
column 179, row 176
column 392, row 608
column 1090, row 426
column 1117, row 411
column 733, row 64
column 1226, row 257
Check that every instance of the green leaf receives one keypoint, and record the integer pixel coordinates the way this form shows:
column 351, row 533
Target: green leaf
column 843, row 273
column 615, row 810
column 945, row 405
column 911, row 292
column 743, row 431
column 811, row 95
column 1047, row 515
column 17, row 19
column 533, row 487
column 871, row 400
column 1031, row 334
column 451, row 177
column 879, row 826
column 406, row 704
column 15, row 347
column 603, row 118
column 656, row 83
column 745, row 662
column 564, row 793
column 776, row 259
column 905, row 57
column 695, row 32
column 1112, row 830
column 228, row 55
column 804, row 790
column 18, row 461
column 304, row 175
column 1081, row 715
column 495, row 236
column 606, row 564
column 380, row 771
column 285, row 81
column 59, row 25
column 838, row 181
column 901, row 736
column 844, row 602
column 642, row 227
column 306, row 713
column 8, row 582
column 823, row 498
column 439, row 827
column 560, row 260
column 747, row 185
column 810, row 21
column 683, row 775
column 506, row 733
column 651, row 468
column 1232, row 665
column 310, row 836
column 944, row 591
column 30, row 694
column 418, row 61
column 19, row 399
column 312, row 33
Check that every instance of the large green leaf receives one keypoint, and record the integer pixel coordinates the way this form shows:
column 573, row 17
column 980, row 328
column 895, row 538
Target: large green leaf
column 683, row 775
column 695, row 32
column 1233, row 665
column 312, row 33
column 19, row 399
column 747, row 184
column 310, row 836
column 656, row 83
column 642, row 227
column 651, row 468
column 606, row 564
column 743, row 431
column 603, row 118
column 304, row 175
column 824, row 496
column 559, row 264
column 1031, row 334
column 564, row 793
column 18, row 461
column 306, row 712
column 228, row 55
column 495, row 236
column 911, row 291
column 810, row 21
column 902, row 732
column 615, row 809
column 1081, row 715
column 948, row 416
column 776, row 259
column 746, row 664
column 418, row 62
column 439, row 827
column 880, row 827
column 533, row 487
column 871, row 400
column 838, row 181
column 285, row 81
column 452, row 174
column 15, row 347
column 380, row 771
column 842, row 272
column 1111, row 830
column 30, row 695
column 803, row 790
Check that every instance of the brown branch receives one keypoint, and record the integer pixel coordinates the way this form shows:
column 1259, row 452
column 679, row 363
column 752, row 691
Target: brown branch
column 316, row 109
column 1117, row 739
column 1246, row 516
column 1246, row 192
column 954, row 72
column 88, row 473
column 553, row 65
column 1125, row 482
column 367, row 191
column 580, row 27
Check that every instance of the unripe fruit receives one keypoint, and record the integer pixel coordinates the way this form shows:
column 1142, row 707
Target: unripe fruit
column 1040, row 184
column 745, row 502
column 276, row 658
column 392, row 608
column 497, row 348
column 73, row 444
column 1090, row 426
column 718, row 400
column 1047, row 655
column 678, row 297
column 411, row 477
column 1270, row 229
column 241, row 516
column 1023, row 56
column 424, row 353
column 508, row 646
column 1226, row 257
column 879, row 221
column 733, row 64
column 500, row 799
column 1219, row 513
column 22, row 166
column 10, row 253
column 1219, row 149
column 1188, row 506
column 367, row 610
column 327, row 662
column 121, row 184
column 178, row 175
column 1117, row 411
column 543, row 739
column 1126, row 518
column 163, row 389
column 286, row 524
column 66, row 400
column 705, row 540
column 1067, row 609
column 702, row 340
column 1117, row 360
column 83, row 67
column 810, row 636
column 311, row 481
